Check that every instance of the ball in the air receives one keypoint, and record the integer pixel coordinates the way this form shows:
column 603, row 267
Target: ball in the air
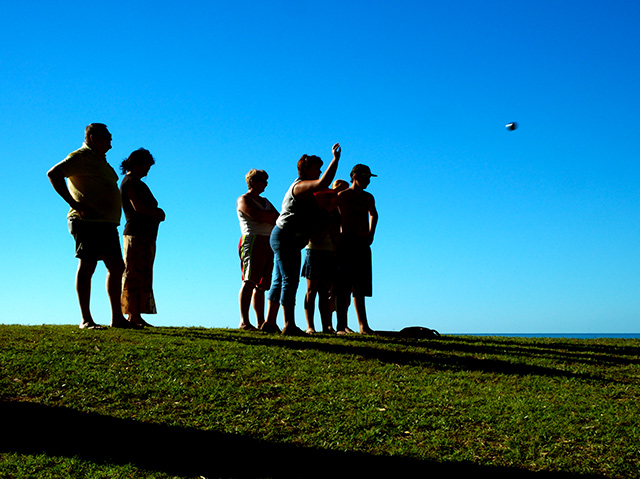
column 512, row 126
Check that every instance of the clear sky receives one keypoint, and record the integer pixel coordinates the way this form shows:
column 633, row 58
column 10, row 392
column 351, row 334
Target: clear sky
column 482, row 230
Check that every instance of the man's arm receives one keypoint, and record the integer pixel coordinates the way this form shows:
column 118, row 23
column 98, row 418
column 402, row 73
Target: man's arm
column 373, row 218
column 57, row 179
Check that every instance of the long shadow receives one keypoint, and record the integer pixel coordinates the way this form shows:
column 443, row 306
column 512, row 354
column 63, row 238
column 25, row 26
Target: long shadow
column 585, row 352
column 29, row 428
column 623, row 354
column 367, row 348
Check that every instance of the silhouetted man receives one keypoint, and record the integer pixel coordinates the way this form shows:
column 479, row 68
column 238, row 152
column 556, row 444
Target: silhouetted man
column 359, row 219
column 93, row 195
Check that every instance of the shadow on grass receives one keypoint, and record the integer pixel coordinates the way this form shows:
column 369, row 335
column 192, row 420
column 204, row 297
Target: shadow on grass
column 437, row 354
column 36, row 429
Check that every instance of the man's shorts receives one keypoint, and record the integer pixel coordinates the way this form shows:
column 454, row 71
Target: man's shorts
column 354, row 267
column 319, row 265
column 95, row 240
column 256, row 260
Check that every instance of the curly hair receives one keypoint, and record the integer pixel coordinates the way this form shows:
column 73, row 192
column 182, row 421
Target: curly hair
column 137, row 157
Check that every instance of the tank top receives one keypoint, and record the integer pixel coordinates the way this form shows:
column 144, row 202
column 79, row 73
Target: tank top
column 298, row 215
column 249, row 226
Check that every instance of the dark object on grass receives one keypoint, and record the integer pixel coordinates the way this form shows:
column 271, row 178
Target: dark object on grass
column 418, row 332
column 411, row 332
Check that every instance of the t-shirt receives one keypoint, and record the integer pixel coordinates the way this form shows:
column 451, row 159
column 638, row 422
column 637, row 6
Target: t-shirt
column 93, row 183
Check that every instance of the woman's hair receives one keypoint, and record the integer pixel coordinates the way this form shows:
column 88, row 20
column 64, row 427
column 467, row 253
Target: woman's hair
column 253, row 173
column 306, row 162
column 138, row 157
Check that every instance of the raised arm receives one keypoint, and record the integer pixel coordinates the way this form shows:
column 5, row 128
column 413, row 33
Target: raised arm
column 308, row 187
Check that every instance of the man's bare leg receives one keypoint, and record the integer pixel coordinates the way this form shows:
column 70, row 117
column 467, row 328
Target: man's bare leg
column 86, row 268
column 115, row 269
column 342, row 308
column 361, row 313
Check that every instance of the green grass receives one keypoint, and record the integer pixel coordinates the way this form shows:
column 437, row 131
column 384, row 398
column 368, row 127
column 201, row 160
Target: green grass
column 195, row 402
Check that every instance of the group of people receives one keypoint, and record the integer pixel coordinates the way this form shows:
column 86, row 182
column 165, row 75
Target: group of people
column 335, row 226
column 96, row 204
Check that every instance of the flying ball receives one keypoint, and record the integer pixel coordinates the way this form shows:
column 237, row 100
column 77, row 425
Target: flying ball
column 512, row 126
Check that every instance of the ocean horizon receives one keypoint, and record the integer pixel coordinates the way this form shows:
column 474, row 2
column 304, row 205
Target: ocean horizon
column 556, row 335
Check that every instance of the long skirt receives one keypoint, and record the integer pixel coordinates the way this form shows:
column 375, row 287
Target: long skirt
column 137, row 280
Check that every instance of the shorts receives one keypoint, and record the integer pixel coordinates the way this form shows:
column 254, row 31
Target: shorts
column 355, row 274
column 256, row 260
column 95, row 240
column 320, row 265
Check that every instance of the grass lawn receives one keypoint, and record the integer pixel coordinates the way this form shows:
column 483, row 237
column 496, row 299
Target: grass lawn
column 196, row 402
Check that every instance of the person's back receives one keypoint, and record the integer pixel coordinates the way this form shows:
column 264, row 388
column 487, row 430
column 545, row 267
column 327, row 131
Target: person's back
column 359, row 219
column 355, row 205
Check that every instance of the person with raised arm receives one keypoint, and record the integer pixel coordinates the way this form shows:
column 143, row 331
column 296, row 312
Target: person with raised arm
column 293, row 230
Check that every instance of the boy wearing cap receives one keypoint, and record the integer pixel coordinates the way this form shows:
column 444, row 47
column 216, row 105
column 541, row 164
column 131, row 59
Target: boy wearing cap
column 359, row 219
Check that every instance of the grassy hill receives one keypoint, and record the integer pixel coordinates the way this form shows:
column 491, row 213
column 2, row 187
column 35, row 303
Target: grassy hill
column 195, row 402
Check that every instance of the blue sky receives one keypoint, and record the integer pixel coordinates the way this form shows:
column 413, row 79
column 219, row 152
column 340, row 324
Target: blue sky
column 481, row 230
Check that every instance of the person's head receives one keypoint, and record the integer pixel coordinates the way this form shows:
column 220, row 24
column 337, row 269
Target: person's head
column 97, row 137
column 257, row 179
column 361, row 174
column 138, row 162
column 309, row 167
column 340, row 185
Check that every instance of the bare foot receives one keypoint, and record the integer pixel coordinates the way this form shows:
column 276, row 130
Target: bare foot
column 367, row 330
column 293, row 331
column 125, row 324
column 269, row 328
column 90, row 325
column 310, row 331
column 247, row 327
column 139, row 321
column 345, row 331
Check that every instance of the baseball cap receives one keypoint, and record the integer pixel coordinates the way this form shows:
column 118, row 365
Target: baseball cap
column 361, row 170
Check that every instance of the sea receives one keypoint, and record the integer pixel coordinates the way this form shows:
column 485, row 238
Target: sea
column 558, row 335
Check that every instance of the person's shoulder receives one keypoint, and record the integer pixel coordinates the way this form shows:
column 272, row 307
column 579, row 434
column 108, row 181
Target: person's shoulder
column 345, row 193
column 79, row 153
